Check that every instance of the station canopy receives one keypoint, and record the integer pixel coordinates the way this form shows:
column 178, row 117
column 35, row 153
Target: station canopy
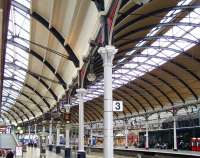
column 156, row 66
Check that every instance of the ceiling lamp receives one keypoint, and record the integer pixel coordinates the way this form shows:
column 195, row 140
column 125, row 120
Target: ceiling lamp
column 141, row 1
column 91, row 75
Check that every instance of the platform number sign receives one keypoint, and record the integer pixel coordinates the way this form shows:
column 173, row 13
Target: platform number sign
column 117, row 106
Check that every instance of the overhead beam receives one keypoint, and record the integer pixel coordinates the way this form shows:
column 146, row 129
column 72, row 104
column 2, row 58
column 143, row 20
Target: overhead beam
column 32, row 89
column 14, row 112
column 7, row 117
column 10, row 114
column 42, row 60
column 149, row 14
column 22, row 104
column 53, row 30
column 38, row 78
column 148, row 27
column 26, row 96
column 16, row 109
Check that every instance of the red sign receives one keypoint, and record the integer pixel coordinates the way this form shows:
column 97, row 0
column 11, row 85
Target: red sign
column 3, row 129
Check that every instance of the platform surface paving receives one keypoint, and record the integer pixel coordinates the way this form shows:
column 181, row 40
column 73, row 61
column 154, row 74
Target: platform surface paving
column 35, row 153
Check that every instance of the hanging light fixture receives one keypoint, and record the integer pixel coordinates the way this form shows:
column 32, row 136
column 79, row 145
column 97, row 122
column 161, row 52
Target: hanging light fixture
column 91, row 75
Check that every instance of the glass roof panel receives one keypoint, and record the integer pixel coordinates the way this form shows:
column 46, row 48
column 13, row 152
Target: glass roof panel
column 19, row 26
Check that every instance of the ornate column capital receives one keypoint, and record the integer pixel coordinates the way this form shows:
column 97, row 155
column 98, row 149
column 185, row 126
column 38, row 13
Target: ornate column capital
column 81, row 91
column 107, row 53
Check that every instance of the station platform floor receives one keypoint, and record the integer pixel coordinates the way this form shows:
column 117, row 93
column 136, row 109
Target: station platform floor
column 172, row 153
column 35, row 153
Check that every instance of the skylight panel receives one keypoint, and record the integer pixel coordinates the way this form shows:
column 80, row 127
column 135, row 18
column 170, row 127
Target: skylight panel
column 182, row 44
column 130, row 52
column 194, row 33
column 21, row 64
column 146, row 67
column 20, row 75
column 8, row 73
column 140, row 43
column 117, row 75
column 96, row 92
column 178, row 31
column 149, row 51
column 7, row 84
column 121, row 60
column 126, row 78
column 139, row 59
column 130, row 65
column 26, row 3
column 153, row 31
column 184, row 2
column 167, row 53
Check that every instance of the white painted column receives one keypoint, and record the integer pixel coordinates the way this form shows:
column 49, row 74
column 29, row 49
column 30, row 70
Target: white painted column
column 81, row 92
column 58, row 134
column 126, row 135
column 35, row 129
column 175, row 139
column 43, row 128
column 107, row 53
column 29, row 134
column 50, row 133
column 147, row 134
column 8, row 129
column 158, row 121
column 91, row 136
column 67, row 138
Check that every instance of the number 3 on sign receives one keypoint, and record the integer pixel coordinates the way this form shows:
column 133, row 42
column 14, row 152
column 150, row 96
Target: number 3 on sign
column 117, row 106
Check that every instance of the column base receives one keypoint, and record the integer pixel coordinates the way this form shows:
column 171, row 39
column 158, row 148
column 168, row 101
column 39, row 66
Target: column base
column 50, row 147
column 147, row 148
column 139, row 156
column 175, row 149
column 58, row 149
column 68, row 152
column 126, row 147
column 81, row 154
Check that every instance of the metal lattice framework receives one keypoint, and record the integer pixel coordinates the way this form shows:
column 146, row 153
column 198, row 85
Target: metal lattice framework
column 156, row 66
column 152, row 67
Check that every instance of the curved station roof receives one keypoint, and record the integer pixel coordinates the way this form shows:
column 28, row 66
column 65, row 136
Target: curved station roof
column 156, row 66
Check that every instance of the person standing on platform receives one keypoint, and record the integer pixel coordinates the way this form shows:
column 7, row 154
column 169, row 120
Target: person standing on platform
column 10, row 154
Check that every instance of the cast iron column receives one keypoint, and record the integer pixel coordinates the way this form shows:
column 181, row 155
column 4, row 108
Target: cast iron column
column 91, row 136
column 67, row 141
column 147, row 133
column 29, row 134
column 58, row 138
column 35, row 133
column 50, row 136
column 126, row 135
column 43, row 128
column 107, row 53
column 81, row 152
column 175, row 139
column 35, row 129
